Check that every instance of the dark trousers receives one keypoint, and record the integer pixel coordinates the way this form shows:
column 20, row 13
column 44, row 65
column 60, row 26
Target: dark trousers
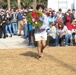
column 31, row 34
column 0, row 31
column 50, row 40
column 4, row 29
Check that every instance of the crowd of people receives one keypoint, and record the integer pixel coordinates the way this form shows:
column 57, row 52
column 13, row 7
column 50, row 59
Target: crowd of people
column 57, row 28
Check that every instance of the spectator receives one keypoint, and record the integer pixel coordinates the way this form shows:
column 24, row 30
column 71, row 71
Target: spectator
column 3, row 15
column 14, row 23
column 51, row 17
column 54, row 14
column 62, row 33
column 30, row 35
column 25, row 27
column 0, row 26
column 74, row 31
column 20, row 21
column 71, row 15
column 61, row 13
column 51, row 32
column 68, row 21
column 74, row 13
column 58, row 19
column 8, row 24
column 31, row 31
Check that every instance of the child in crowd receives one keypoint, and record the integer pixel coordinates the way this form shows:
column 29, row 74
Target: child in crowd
column 51, row 32
column 30, row 35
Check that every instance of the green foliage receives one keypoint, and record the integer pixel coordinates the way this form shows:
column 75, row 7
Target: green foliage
column 38, row 23
column 13, row 3
column 28, row 3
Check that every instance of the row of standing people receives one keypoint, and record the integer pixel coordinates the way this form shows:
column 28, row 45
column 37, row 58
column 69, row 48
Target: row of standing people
column 11, row 22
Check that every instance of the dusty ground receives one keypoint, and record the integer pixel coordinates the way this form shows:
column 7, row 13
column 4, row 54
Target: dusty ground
column 56, row 61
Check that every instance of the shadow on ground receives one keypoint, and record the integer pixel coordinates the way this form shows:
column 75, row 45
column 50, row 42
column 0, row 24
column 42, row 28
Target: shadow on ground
column 30, row 54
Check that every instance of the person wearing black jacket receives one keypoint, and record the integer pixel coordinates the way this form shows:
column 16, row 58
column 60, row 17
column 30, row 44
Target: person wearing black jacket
column 0, row 26
column 71, row 15
column 8, row 23
column 3, row 15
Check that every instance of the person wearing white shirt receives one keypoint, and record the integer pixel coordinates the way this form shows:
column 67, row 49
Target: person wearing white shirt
column 51, row 32
column 62, row 33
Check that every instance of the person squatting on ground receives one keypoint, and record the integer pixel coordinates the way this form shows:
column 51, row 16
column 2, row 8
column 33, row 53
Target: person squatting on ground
column 40, row 32
column 62, row 33
column 51, row 34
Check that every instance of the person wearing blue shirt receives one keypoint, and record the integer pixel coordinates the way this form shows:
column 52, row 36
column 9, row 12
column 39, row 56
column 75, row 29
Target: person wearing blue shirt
column 20, row 21
column 51, row 17
column 40, row 33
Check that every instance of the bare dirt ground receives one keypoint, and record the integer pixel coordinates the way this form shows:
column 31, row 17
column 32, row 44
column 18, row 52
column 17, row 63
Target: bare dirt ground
column 56, row 61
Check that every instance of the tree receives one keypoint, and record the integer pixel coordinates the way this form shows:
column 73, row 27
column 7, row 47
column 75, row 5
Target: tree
column 24, row 3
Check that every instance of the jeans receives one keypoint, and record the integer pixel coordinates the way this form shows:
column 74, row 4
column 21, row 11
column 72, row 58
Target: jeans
column 14, row 26
column 66, row 37
column 25, row 30
column 8, row 28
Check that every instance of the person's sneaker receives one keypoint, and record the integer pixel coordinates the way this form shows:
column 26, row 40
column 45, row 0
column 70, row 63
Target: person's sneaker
column 25, row 37
column 38, row 57
column 6, row 35
column 31, row 45
column 15, row 34
column 11, row 35
column 0, row 37
column 19, row 34
column 47, row 46
column 66, row 45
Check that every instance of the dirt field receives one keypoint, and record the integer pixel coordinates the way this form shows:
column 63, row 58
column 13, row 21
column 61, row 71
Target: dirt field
column 56, row 61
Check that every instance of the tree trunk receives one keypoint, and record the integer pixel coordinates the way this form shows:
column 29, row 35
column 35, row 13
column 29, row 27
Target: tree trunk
column 8, row 4
column 19, row 4
column 34, row 4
